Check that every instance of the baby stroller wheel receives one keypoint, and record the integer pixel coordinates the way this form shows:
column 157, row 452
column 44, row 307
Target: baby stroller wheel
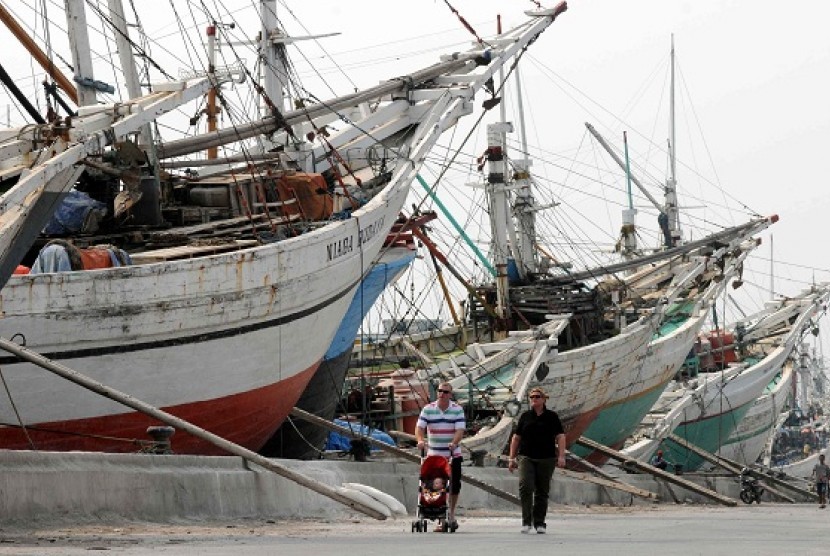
column 416, row 526
column 423, row 525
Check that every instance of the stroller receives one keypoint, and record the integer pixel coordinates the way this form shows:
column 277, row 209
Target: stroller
column 433, row 494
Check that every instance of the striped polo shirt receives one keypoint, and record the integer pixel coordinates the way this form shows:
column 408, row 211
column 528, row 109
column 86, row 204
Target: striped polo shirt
column 441, row 427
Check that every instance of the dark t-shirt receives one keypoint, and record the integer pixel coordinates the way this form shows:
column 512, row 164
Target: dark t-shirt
column 538, row 433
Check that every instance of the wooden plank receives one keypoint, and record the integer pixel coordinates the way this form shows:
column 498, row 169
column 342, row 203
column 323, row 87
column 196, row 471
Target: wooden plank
column 590, row 466
column 188, row 251
column 675, row 479
column 300, row 414
column 207, row 226
column 239, row 222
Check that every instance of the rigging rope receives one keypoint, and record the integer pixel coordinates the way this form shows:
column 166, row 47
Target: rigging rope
column 16, row 412
column 464, row 22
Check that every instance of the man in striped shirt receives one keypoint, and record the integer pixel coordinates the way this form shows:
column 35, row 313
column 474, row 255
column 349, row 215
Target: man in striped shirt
column 442, row 421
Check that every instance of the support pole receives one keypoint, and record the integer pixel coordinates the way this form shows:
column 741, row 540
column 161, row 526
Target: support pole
column 173, row 421
column 616, row 485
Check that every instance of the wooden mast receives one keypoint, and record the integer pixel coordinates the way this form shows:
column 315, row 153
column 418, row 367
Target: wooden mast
column 81, row 54
column 210, row 110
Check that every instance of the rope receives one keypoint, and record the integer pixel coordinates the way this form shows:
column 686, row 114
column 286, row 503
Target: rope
column 139, row 50
column 338, row 176
column 144, row 444
column 16, row 412
column 464, row 22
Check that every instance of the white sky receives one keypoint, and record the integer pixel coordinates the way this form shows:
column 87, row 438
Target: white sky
column 757, row 73
column 755, row 76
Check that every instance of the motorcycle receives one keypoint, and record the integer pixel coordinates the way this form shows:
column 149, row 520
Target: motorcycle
column 751, row 488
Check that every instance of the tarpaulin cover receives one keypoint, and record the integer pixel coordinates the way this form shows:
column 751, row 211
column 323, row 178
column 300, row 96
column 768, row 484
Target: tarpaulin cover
column 70, row 216
column 339, row 442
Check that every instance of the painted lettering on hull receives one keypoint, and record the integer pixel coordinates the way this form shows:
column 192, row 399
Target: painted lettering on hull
column 339, row 248
column 346, row 245
column 366, row 234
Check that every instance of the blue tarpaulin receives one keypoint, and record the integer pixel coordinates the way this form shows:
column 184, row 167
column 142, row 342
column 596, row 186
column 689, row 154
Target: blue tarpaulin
column 70, row 216
column 339, row 442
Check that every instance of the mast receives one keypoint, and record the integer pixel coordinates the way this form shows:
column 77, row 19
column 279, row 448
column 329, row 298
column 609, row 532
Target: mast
column 516, row 246
column 81, row 54
column 771, row 269
column 125, row 56
column 497, row 197
column 621, row 163
column 273, row 65
column 629, row 226
column 210, row 109
column 804, row 378
column 671, row 208
column 525, row 207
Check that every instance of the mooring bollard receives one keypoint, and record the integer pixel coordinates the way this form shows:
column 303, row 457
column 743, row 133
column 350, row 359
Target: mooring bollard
column 161, row 439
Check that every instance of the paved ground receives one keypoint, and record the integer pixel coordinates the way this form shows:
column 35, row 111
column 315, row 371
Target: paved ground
column 659, row 530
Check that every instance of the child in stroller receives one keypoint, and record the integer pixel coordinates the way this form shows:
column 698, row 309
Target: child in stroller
column 433, row 493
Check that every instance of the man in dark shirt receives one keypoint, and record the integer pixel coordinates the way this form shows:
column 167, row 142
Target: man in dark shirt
column 658, row 461
column 539, row 441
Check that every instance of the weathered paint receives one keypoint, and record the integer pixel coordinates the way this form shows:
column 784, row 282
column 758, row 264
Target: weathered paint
column 301, row 439
column 247, row 418
column 640, row 388
column 184, row 333
column 752, row 433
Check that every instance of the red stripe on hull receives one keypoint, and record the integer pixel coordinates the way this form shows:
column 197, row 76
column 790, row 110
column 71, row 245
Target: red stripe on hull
column 248, row 419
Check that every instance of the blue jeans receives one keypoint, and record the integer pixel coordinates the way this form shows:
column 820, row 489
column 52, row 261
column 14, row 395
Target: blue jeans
column 534, row 488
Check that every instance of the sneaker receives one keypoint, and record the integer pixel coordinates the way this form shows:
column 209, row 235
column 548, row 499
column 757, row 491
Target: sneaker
column 541, row 529
column 525, row 529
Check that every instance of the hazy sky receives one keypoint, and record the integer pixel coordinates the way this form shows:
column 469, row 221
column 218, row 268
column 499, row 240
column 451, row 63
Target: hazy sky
column 753, row 81
column 756, row 75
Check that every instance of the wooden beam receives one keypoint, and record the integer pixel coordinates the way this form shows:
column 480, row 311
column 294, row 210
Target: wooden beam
column 604, row 479
column 590, row 466
column 616, row 485
column 675, row 479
